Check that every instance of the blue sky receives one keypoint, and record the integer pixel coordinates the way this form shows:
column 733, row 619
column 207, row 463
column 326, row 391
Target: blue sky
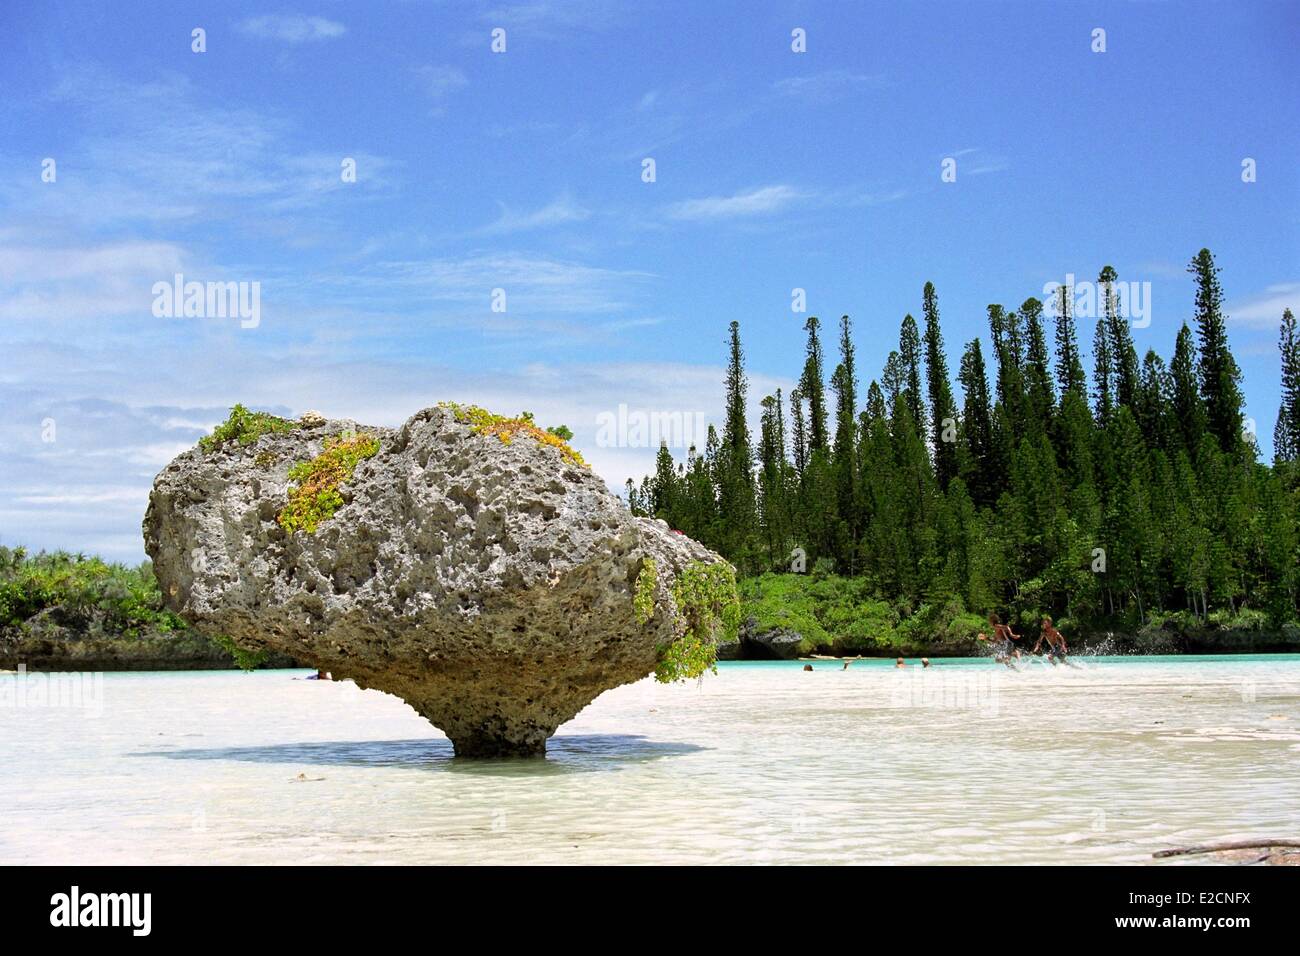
column 522, row 171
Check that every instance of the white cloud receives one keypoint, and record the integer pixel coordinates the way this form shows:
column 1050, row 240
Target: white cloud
column 533, row 284
column 828, row 85
column 756, row 202
column 1264, row 310
column 438, row 83
column 292, row 29
column 980, row 162
column 557, row 213
column 232, row 163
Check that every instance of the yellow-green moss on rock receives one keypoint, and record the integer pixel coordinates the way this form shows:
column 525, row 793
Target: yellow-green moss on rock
column 483, row 422
column 317, row 497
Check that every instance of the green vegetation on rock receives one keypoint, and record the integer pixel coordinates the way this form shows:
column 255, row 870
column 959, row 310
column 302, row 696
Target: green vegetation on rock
column 707, row 608
column 643, row 600
column 244, row 660
column 245, row 427
column 505, row 429
column 317, row 497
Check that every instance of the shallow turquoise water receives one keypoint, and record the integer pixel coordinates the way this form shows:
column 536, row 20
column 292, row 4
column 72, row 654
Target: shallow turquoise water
column 965, row 762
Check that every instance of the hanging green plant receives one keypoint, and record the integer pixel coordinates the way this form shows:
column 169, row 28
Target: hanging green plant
column 708, row 607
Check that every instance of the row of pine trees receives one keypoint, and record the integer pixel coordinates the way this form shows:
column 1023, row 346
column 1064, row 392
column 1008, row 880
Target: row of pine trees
column 1037, row 489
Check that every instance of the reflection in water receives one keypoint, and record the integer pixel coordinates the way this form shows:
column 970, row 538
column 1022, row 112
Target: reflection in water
column 964, row 762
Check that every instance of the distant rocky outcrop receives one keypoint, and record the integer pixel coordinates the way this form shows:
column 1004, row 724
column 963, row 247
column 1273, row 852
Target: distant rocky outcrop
column 776, row 643
column 469, row 564
column 45, row 644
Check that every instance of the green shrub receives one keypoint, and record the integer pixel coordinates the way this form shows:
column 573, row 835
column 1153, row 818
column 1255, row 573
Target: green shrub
column 245, row 427
column 707, row 606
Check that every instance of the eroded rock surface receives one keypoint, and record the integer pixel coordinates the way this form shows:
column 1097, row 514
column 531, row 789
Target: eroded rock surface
column 489, row 585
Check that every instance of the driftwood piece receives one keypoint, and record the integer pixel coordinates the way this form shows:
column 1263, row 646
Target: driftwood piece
column 1230, row 845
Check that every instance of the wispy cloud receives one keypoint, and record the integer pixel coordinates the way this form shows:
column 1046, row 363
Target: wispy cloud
column 291, row 29
column 560, row 212
column 756, row 202
column 552, row 18
column 976, row 161
column 828, row 85
column 1264, row 310
column 532, row 283
column 438, row 82
column 123, row 178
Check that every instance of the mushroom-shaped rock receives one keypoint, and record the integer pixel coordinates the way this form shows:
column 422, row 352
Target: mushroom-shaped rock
column 469, row 564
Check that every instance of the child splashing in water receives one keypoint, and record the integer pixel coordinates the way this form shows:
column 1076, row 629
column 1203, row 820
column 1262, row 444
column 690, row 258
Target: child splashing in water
column 1003, row 649
column 1055, row 642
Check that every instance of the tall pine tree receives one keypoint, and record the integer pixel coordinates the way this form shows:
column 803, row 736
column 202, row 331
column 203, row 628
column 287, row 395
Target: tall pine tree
column 943, row 411
column 1220, row 376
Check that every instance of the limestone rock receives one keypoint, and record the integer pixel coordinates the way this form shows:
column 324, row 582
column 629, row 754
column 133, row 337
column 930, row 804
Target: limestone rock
column 777, row 643
column 488, row 584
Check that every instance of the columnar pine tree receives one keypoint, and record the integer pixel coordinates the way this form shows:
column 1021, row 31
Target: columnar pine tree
column 1220, row 377
column 943, row 411
column 909, row 352
column 735, row 477
column 1186, row 524
column 1153, row 403
column 1188, row 409
column 812, row 387
column 1040, row 397
column 982, row 476
column 1069, row 366
column 894, row 378
column 844, row 461
column 1102, row 375
column 1119, row 340
column 799, row 433
column 1286, row 434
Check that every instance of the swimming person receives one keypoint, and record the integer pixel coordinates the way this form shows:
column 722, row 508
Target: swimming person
column 1055, row 641
column 899, row 663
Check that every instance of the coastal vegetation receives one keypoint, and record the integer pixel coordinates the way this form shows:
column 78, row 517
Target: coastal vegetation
column 1129, row 499
column 64, row 611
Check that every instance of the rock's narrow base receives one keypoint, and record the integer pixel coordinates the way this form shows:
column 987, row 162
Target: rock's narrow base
column 487, row 745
